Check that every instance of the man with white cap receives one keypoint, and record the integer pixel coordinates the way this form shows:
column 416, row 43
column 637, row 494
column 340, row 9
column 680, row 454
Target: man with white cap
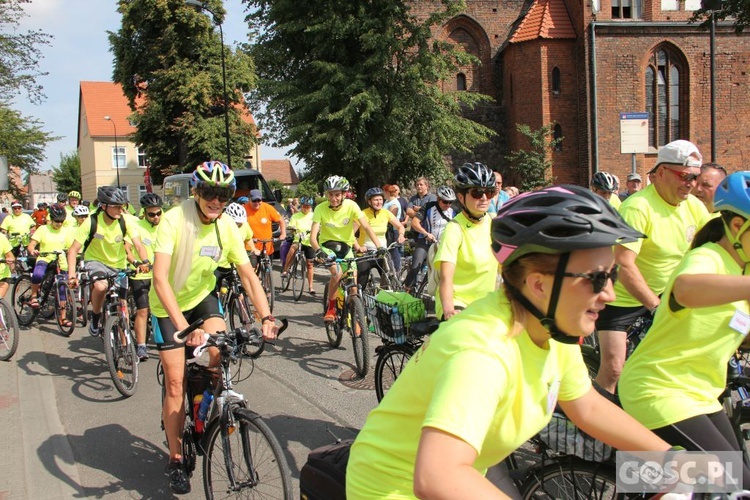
column 670, row 216
column 634, row 183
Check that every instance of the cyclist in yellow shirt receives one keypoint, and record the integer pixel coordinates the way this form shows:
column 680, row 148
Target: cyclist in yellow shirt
column 301, row 224
column 489, row 378
column 605, row 185
column 17, row 226
column 6, row 268
column 81, row 213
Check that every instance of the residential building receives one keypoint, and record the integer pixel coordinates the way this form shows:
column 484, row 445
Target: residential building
column 280, row 170
column 42, row 189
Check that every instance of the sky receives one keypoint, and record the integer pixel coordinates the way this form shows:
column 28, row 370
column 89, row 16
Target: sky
column 80, row 52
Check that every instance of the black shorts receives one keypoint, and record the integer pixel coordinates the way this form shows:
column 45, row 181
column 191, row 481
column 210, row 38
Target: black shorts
column 164, row 329
column 309, row 252
column 619, row 319
column 140, row 290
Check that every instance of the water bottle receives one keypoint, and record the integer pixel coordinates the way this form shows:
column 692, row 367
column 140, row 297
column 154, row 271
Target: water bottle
column 733, row 369
column 340, row 299
column 203, row 411
column 196, row 409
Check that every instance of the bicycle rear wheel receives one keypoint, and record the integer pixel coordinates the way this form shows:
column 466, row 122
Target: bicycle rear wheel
column 255, row 456
column 122, row 360
column 22, row 301
column 571, row 478
column 357, row 326
column 69, row 307
column 241, row 315
column 297, row 277
column 83, row 304
column 390, row 363
column 8, row 331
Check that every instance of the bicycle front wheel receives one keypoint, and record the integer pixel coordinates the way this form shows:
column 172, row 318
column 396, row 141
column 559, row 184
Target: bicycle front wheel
column 297, row 277
column 390, row 364
column 22, row 301
column 250, row 449
column 268, row 286
column 571, row 479
column 358, row 330
column 122, row 360
column 241, row 315
column 8, row 331
column 65, row 301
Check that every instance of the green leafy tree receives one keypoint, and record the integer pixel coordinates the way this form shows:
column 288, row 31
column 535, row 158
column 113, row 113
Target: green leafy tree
column 22, row 140
column 285, row 191
column 168, row 61
column 736, row 10
column 20, row 53
column 533, row 165
column 353, row 86
column 307, row 187
column 67, row 175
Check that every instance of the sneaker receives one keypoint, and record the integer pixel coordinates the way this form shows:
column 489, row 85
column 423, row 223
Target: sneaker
column 94, row 329
column 179, row 482
column 330, row 315
column 142, row 352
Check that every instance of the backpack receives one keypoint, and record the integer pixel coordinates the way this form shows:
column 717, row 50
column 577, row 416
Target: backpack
column 323, row 477
column 95, row 224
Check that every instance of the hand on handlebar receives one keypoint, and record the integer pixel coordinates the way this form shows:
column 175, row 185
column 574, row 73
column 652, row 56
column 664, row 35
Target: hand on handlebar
column 73, row 282
column 144, row 267
column 382, row 251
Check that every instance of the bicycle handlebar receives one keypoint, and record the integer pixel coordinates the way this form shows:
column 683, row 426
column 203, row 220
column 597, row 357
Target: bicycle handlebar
column 245, row 333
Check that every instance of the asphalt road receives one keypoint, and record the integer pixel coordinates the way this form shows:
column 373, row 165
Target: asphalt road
column 301, row 387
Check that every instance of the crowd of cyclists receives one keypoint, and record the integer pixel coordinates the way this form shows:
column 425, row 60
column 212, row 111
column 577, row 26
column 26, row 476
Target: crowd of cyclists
column 519, row 280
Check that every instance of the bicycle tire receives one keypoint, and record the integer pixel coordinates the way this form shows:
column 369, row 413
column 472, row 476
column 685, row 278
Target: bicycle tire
column 82, row 315
column 360, row 343
column 571, row 478
column 70, row 308
column 325, row 298
column 391, row 361
column 46, row 291
column 122, row 360
column 297, row 277
column 236, row 304
column 591, row 359
column 8, row 331
column 252, row 444
column 21, row 301
column 333, row 331
column 268, row 286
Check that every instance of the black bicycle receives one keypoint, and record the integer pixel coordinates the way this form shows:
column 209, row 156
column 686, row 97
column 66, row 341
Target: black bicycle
column 297, row 272
column 264, row 270
column 238, row 309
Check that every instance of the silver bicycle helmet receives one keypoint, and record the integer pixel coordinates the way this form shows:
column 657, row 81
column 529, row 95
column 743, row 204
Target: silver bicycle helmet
column 604, row 181
column 81, row 211
column 336, row 183
column 474, row 175
column 237, row 212
column 445, row 193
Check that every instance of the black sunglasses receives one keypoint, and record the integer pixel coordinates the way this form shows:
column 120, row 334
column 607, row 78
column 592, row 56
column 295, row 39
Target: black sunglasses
column 208, row 193
column 598, row 279
column 477, row 193
column 153, row 214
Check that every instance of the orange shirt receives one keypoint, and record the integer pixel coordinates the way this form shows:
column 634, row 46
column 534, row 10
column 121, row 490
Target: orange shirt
column 39, row 216
column 260, row 222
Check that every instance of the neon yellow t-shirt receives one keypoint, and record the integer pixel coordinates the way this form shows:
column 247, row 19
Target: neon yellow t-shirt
column 5, row 247
column 468, row 246
column 147, row 234
column 302, row 223
column 50, row 239
column 206, row 257
column 379, row 224
column 615, row 201
column 21, row 224
column 107, row 245
column 670, row 230
column 472, row 381
column 337, row 225
column 246, row 233
column 680, row 368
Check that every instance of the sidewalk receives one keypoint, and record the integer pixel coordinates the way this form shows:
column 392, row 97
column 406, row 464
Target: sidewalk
column 32, row 435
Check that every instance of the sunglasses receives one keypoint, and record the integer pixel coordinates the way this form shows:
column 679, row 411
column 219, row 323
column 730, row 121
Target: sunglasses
column 209, row 193
column 153, row 214
column 598, row 279
column 683, row 176
column 478, row 193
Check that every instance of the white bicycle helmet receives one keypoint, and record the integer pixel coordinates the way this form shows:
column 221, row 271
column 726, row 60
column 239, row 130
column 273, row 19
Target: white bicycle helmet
column 336, row 183
column 445, row 193
column 236, row 212
column 81, row 211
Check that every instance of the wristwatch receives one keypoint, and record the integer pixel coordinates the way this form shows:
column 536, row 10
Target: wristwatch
column 268, row 318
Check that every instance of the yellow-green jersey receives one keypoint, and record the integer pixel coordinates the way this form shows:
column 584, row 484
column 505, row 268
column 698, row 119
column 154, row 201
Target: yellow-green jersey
column 147, row 234
column 679, row 369
column 5, row 247
column 469, row 247
column 615, row 201
column 337, row 225
column 472, row 380
column 379, row 224
column 246, row 232
column 207, row 253
column 50, row 239
column 670, row 231
column 17, row 224
column 303, row 224
column 107, row 245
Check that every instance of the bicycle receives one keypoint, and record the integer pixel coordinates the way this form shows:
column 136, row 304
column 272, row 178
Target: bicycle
column 117, row 336
column 387, row 277
column 53, row 282
column 8, row 329
column 350, row 313
column 634, row 335
column 241, row 455
column 297, row 272
column 238, row 309
column 82, row 293
column 264, row 270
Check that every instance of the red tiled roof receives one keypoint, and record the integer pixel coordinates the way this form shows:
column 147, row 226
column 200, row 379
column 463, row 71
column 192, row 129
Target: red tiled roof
column 280, row 170
column 545, row 19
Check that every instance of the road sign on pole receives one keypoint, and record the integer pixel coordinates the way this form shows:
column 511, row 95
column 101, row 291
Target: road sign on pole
column 633, row 133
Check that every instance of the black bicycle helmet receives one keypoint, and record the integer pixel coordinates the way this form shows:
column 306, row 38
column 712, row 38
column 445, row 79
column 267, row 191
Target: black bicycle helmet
column 150, row 200
column 474, row 175
column 57, row 213
column 445, row 193
column 62, row 198
column 374, row 191
column 604, row 181
column 111, row 195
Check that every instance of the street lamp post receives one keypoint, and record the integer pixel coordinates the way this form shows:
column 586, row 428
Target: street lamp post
column 712, row 6
column 201, row 5
column 117, row 151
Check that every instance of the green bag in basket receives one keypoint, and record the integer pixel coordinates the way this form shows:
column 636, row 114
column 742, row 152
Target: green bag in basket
column 411, row 308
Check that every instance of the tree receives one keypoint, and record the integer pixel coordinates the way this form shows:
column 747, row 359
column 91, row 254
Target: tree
column 285, row 191
column 533, row 165
column 737, row 10
column 19, row 54
column 307, row 187
column 168, row 61
column 67, row 175
column 22, row 140
column 353, row 86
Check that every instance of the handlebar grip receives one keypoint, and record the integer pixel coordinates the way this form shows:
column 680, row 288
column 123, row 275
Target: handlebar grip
column 190, row 329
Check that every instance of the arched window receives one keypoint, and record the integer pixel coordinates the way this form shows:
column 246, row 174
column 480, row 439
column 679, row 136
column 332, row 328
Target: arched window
column 664, row 89
column 556, row 80
column 460, row 81
column 557, row 135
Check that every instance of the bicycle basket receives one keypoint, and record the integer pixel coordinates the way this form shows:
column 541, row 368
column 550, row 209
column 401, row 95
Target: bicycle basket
column 392, row 313
column 562, row 436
